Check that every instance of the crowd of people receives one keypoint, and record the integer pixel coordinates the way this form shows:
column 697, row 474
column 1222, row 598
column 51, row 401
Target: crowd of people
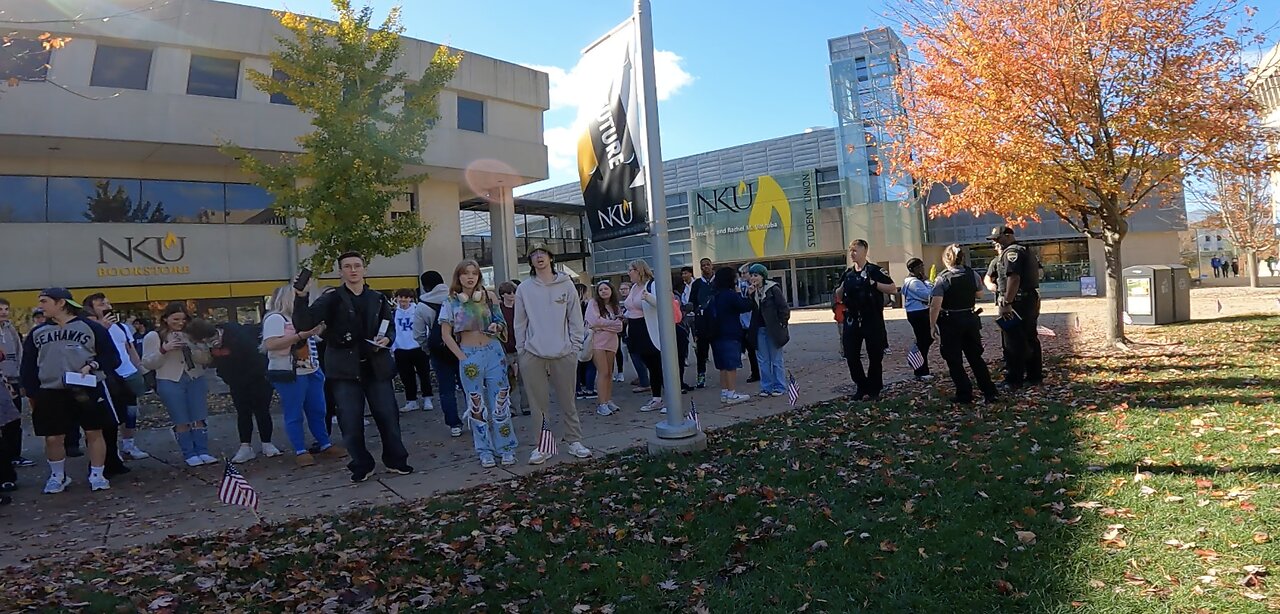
column 332, row 355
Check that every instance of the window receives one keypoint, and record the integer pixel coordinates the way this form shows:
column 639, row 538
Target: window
column 250, row 204
column 470, row 114
column 24, row 60
column 80, row 199
column 121, row 67
column 22, row 199
column 278, row 98
column 186, row 202
column 217, row 77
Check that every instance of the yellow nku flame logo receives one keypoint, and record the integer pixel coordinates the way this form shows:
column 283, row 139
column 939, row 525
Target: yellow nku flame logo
column 769, row 199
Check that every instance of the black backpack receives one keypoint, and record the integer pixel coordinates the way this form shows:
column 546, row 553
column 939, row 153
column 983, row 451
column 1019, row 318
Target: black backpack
column 435, row 338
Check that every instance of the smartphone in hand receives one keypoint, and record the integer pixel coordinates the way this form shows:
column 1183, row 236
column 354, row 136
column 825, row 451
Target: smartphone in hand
column 304, row 278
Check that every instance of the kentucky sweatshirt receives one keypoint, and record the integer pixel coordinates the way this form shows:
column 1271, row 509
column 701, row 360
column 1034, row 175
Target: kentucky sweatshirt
column 51, row 350
column 548, row 318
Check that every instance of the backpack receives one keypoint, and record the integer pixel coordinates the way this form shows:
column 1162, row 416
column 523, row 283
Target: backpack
column 435, row 337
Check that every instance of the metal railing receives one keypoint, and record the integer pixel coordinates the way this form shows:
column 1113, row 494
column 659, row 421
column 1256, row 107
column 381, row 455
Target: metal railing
column 480, row 247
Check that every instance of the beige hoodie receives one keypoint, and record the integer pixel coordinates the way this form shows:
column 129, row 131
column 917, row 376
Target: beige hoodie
column 548, row 318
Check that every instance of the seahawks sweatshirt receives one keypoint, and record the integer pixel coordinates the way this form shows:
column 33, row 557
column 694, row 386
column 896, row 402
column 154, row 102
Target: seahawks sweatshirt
column 50, row 351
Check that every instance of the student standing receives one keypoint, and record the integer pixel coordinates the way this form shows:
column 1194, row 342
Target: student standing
column 916, row 293
column 721, row 326
column 769, row 321
column 10, row 359
column 411, row 359
column 549, row 335
column 604, row 319
column 179, row 364
column 507, row 303
column 426, row 331
column 242, row 365
column 642, row 329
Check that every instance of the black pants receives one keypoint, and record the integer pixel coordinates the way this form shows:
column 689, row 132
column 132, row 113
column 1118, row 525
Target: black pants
column 409, row 363
column 253, row 401
column 962, row 340
column 115, row 398
column 871, row 334
column 10, row 448
column 702, row 349
column 919, row 321
column 682, row 345
column 1022, row 360
column 638, row 340
column 381, row 396
column 749, row 342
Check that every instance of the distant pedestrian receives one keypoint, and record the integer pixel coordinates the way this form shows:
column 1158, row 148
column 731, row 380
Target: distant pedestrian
column 179, row 363
column 426, row 331
column 769, row 321
column 952, row 315
column 748, row 341
column 1271, row 265
column 507, row 303
column 700, row 292
column 1216, row 264
column 864, row 286
column 1235, row 267
column 916, row 292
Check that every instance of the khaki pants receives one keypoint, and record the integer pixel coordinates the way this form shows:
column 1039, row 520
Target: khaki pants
column 539, row 375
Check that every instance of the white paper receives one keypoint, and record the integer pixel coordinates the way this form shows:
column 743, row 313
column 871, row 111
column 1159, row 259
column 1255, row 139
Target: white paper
column 382, row 328
column 73, row 378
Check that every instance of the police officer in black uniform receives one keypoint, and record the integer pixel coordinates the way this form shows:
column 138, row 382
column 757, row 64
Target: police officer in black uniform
column 1018, row 292
column 959, row 329
column 863, row 289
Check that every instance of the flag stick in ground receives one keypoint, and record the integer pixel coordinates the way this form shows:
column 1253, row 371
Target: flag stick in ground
column 793, row 390
column 693, row 415
column 546, row 440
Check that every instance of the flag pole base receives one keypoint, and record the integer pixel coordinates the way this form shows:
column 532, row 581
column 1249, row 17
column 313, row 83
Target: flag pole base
column 661, row 446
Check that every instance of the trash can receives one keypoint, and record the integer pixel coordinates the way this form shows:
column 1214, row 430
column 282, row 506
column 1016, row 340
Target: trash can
column 1148, row 294
column 1181, row 292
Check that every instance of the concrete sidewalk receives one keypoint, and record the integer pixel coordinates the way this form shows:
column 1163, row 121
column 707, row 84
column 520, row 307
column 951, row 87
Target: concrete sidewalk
column 163, row 497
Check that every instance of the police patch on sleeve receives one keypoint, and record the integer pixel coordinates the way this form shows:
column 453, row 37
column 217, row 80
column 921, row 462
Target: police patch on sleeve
column 1013, row 256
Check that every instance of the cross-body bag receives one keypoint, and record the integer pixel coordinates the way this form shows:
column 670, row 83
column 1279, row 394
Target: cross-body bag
column 284, row 376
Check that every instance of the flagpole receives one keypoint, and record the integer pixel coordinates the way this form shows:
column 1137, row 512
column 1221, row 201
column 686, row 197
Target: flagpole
column 677, row 432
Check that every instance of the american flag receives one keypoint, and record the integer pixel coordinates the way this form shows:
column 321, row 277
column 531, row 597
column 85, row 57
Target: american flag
column 1127, row 318
column 546, row 441
column 1045, row 331
column 793, row 390
column 914, row 357
column 235, row 490
column 693, row 415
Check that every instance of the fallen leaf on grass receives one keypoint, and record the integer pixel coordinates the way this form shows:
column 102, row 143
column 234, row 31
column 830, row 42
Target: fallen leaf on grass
column 818, row 545
column 1003, row 587
column 888, row 546
column 1026, row 538
column 1261, row 538
column 1173, row 499
column 668, row 585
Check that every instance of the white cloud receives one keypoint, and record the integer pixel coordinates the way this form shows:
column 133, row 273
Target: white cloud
column 576, row 94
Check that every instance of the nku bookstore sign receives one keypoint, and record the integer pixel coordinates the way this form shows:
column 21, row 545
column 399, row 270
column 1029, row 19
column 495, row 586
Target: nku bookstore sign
column 767, row 216
column 143, row 256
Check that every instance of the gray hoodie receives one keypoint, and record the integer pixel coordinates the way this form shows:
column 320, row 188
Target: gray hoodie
column 52, row 351
column 11, row 346
column 548, row 318
column 425, row 317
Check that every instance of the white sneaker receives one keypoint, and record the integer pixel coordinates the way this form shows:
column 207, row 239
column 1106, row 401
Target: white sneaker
column 537, row 457
column 195, row 461
column 577, row 449
column 208, row 460
column 615, row 406
column 55, row 486
column 134, row 453
column 269, row 450
column 766, row 394
column 487, row 462
column 455, row 431
column 604, row 410
column 617, row 377
column 426, row 404
column 244, row 454
column 99, row 483
column 734, row 397
column 925, row 378
column 508, row 460
column 408, row 407
column 654, row 404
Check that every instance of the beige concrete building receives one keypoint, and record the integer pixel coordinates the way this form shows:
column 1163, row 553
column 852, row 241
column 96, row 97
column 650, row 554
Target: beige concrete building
column 111, row 178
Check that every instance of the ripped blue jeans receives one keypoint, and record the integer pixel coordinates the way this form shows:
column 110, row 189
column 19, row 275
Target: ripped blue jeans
column 488, row 394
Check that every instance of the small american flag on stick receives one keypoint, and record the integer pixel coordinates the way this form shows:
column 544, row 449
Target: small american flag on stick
column 793, row 390
column 693, row 415
column 547, row 440
column 1219, row 306
column 914, row 357
column 235, row 490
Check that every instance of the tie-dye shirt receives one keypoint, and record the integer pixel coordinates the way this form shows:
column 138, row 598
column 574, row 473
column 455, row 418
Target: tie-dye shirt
column 471, row 316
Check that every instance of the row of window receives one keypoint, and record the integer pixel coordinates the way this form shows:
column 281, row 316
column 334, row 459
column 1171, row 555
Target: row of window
column 130, row 68
column 84, row 199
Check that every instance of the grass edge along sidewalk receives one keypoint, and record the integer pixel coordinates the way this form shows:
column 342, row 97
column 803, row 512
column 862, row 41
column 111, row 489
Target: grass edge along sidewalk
column 1142, row 485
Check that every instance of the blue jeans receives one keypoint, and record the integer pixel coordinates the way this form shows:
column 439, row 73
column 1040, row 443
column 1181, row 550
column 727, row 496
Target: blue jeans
column 447, row 377
column 773, row 373
column 186, row 400
column 484, row 380
column 637, row 361
column 304, row 398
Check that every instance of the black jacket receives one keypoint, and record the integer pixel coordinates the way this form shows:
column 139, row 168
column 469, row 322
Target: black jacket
column 238, row 360
column 346, row 339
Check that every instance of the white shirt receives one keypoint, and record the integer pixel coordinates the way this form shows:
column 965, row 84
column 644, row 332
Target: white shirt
column 403, row 321
column 306, row 358
column 123, row 342
column 684, row 294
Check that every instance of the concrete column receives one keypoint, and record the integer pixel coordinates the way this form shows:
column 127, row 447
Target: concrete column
column 502, row 227
column 72, row 65
column 170, row 67
column 438, row 205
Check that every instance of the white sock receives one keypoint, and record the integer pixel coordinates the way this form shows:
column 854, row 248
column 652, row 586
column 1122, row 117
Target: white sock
column 56, row 469
column 95, row 472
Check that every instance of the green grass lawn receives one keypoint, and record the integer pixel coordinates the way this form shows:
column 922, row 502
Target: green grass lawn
column 1146, row 482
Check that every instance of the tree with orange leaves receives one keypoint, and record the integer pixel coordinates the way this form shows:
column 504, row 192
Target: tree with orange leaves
column 1090, row 109
column 1237, row 194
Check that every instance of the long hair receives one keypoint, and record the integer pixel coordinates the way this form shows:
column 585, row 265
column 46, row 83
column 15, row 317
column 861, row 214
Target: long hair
column 610, row 307
column 952, row 256
column 163, row 327
column 282, row 301
column 646, row 273
column 455, row 285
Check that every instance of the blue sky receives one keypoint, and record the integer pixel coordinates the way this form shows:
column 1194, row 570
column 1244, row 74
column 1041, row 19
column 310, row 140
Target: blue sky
column 733, row 72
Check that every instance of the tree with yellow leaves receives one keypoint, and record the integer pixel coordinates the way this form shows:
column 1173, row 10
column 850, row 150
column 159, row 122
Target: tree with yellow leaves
column 1091, row 109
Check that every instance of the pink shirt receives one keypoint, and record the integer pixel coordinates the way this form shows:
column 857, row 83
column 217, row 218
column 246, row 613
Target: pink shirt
column 634, row 305
column 604, row 329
